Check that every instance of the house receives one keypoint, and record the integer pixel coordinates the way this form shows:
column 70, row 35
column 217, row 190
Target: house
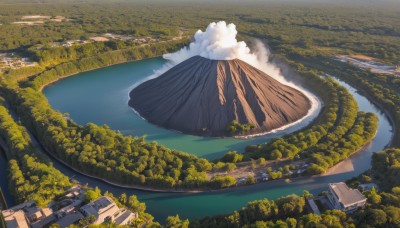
column 314, row 208
column 40, row 217
column 69, row 219
column 367, row 187
column 14, row 219
column 27, row 215
column 104, row 209
column 125, row 217
column 344, row 198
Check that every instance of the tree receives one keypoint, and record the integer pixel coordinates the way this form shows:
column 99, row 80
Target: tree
column 176, row 222
column 135, row 205
column 393, row 215
column 275, row 155
column 373, row 196
column 123, row 198
column 229, row 167
column 371, row 217
column 232, row 157
column 310, row 220
column 92, row 194
column 250, row 180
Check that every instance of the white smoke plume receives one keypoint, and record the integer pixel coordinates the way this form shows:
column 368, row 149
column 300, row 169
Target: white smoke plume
column 219, row 42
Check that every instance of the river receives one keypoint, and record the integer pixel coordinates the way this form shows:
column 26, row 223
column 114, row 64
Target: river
column 101, row 96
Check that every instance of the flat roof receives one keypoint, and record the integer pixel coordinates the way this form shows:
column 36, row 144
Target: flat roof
column 125, row 217
column 69, row 219
column 347, row 196
column 15, row 219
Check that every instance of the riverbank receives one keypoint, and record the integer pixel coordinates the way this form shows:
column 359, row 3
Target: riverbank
column 95, row 68
column 39, row 146
column 387, row 114
column 346, row 165
column 149, row 189
column 362, row 92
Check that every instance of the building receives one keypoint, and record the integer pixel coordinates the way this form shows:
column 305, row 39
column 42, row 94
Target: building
column 344, row 198
column 125, row 217
column 67, row 210
column 104, row 209
column 28, row 215
column 367, row 187
column 39, row 217
column 69, row 219
column 314, row 208
column 14, row 219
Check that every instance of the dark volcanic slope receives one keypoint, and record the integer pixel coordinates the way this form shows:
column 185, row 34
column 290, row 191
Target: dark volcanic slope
column 200, row 94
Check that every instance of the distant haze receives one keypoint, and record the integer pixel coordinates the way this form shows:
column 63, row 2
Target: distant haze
column 236, row 2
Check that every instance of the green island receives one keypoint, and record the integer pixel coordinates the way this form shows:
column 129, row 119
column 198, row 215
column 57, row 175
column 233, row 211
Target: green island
column 32, row 133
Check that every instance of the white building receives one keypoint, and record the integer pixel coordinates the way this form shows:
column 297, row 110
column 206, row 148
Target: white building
column 104, row 209
column 15, row 219
column 344, row 198
column 27, row 215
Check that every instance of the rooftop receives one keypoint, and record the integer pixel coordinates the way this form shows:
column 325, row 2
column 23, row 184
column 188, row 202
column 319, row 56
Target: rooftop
column 15, row 219
column 125, row 217
column 101, row 208
column 347, row 196
column 368, row 186
column 70, row 219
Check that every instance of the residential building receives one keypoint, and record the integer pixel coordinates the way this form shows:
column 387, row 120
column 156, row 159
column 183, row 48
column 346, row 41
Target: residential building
column 67, row 210
column 69, row 219
column 369, row 186
column 104, row 209
column 344, row 198
column 125, row 217
column 314, row 208
column 15, row 219
column 28, row 215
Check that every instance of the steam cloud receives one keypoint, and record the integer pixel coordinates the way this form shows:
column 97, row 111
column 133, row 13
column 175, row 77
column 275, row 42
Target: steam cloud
column 219, row 42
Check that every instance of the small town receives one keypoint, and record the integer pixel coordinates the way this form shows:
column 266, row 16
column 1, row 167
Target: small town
column 13, row 61
column 66, row 210
column 371, row 64
column 72, row 208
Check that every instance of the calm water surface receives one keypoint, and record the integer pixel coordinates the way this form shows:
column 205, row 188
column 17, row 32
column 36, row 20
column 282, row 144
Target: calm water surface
column 101, row 97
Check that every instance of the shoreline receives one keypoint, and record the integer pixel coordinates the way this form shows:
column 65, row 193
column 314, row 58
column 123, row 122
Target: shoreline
column 316, row 105
column 379, row 106
column 331, row 170
column 387, row 114
column 96, row 68
column 39, row 146
column 149, row 189
column 145, row 189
